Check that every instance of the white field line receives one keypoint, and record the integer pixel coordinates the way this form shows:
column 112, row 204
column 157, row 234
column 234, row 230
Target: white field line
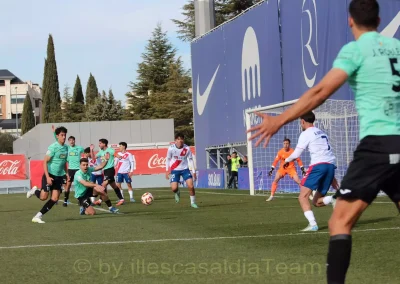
column 188, row 239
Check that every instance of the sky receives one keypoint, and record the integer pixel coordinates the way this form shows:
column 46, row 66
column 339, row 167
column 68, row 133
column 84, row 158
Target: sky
column 105, row 38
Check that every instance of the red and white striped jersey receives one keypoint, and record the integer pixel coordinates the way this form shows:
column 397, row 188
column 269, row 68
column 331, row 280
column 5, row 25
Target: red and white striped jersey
column 94, row 163
column 179, row 159
column 126, row 163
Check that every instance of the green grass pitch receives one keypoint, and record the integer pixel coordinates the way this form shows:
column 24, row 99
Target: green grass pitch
column 231, row 238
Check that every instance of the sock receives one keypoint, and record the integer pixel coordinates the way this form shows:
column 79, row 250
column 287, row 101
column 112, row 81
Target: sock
column 37, row 193
column 339, row 254
column 273, row 188
column 327, row 200
column 92, row 199
column 108, row 202
column 39, row 215
column 66, row 196
column 46, row 208
column 122, row 194
column 310, row 217
column 192, row 199
column 118, row 193
column 131, row 194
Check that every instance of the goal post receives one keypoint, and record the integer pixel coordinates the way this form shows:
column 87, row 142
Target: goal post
column 337, row 118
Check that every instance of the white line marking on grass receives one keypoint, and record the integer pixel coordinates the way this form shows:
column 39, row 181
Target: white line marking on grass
column 188, row 239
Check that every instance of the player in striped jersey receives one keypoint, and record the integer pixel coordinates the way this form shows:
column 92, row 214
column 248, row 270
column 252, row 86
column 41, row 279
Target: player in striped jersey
column 126, row 164
column 179, row 160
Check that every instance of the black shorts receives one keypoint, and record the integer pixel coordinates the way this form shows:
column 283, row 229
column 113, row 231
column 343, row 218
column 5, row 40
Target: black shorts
column 58, row 182
column 71, row 174
column 85, row 200
column 109, row 175
column 375, row 167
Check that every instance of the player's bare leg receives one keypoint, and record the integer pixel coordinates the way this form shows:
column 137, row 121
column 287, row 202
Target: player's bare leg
column 342, row 221
column 274, row 186
column 306, row 206
column 320, row 201
column 55, row 195
column 189, row 183
column 175, row 189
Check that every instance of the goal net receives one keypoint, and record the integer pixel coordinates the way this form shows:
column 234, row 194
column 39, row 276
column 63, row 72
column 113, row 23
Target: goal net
column 337, row 118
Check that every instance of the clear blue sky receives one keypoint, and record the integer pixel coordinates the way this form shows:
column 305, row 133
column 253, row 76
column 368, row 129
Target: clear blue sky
column 98, row 36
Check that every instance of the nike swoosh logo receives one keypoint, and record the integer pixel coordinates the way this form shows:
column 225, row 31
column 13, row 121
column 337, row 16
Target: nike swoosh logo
column 392, row 27
column 202, row 99
column 345, row 191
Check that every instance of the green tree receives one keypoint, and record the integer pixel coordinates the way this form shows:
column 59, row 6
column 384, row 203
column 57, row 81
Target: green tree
column 224, row 11
column 92, row 91
column 6, row 142
column 66, row 104
column 105, row 108
column 78, row 94
column 28, row 118
column 176, row 101
column 152, row 73
column 50, row 88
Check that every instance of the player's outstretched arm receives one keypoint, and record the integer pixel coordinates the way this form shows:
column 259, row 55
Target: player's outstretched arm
column 310, row 100
column 103, row 164
column 88, row 183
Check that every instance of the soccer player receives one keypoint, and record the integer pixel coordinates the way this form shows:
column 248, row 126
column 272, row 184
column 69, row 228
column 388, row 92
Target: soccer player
column 74, row 155
column 290, row 170
column 109, row 170
column 321, row 172
column 125, row 166
column 55, row 174
column 179, row 160
column 371, row 66
column 85, row 189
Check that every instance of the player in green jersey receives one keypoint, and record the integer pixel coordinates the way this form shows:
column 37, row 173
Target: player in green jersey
column 74, row 155
column 109, row 170
column 55, row 174
column 371, row 65
column 85, row 189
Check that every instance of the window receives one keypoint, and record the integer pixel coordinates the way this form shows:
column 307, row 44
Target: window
column 17, row 100
column 37, row 103
column 2, row 83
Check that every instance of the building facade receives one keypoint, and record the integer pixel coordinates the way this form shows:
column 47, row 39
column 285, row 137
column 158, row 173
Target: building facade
column 12, row 95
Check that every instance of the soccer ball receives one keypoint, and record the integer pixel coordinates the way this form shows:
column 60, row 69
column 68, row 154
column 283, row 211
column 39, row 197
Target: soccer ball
column 147, row 198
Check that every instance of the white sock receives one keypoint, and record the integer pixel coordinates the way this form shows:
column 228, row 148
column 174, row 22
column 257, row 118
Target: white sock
column 110, row 207
column 122, row 193
column 192, row 199
column 310, row 217
column 327, row 200
column 93, row 199
column 131, row 194
column 39, row 215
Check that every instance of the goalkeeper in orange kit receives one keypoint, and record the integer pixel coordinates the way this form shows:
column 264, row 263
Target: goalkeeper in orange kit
column 290, row 170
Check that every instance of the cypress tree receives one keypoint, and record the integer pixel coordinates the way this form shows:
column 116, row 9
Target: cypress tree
column 51, row 92
column 78, row 94
column 28, row 118
column 92, row 91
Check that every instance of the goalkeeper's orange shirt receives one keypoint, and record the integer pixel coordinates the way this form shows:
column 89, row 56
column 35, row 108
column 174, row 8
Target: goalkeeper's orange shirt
column 282, row 156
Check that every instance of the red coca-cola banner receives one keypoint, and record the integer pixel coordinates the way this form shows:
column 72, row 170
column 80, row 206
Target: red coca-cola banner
column 12, row 167
column 151, row 161
column 36, row 172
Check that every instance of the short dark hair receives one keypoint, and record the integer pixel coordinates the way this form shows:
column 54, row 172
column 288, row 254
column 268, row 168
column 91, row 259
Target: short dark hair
column 365, row 13
column 123, row 144
column 286, row 139
column 308, row 117
column 87, row 150
column 234, row 152
column 179, row 135
column 104, row 141
column 61, row 129
column 83, row 160
column 71, row 137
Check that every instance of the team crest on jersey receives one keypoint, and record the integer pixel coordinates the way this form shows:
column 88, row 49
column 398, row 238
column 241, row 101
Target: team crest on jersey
column 72, row 154
column 63, row 156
